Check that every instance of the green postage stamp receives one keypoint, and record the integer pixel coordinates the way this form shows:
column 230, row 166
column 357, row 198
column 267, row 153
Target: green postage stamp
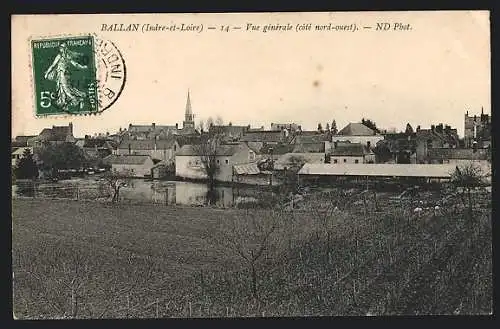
column 75, row 75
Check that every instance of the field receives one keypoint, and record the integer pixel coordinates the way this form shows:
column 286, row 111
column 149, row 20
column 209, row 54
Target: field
column 94, row 260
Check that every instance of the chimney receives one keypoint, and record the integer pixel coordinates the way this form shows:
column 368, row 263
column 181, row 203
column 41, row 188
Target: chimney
column 418, row 128
column 154, row 125
column 433, row 127
column 129, row 126
column 176, row 126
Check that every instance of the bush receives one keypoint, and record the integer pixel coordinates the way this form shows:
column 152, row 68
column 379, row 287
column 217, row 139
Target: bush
column 26, row 167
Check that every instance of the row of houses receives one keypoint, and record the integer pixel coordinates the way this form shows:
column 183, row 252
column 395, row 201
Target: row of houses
column 240, row 158
column 353, row 145
column 149, row 150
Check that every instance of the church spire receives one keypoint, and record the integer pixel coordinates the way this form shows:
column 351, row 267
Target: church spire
column 189, row 111
column 188, row 116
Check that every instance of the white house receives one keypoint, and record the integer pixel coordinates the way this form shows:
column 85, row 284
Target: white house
column 351, row 153
column 140, row 165
column 188, row 163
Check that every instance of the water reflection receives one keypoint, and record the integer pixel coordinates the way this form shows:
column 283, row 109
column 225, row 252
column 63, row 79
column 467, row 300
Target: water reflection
column 185, row 193
column 160, row 192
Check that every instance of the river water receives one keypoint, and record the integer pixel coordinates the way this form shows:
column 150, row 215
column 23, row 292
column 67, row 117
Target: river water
column 160, row 192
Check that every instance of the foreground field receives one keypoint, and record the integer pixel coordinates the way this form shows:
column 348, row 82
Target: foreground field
column 90, row 260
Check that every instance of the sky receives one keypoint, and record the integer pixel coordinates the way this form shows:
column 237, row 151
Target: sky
column 432, row 73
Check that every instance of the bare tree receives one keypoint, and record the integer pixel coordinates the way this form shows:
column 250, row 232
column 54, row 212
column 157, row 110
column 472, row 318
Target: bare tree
column 466, row 178
column 115, row 180
column 253, row 238
column 219, row 121
column 207, row 150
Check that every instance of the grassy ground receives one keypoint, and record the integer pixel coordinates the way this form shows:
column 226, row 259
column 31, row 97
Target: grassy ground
column 93, row 260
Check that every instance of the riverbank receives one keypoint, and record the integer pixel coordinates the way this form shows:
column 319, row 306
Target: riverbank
column 146, row 192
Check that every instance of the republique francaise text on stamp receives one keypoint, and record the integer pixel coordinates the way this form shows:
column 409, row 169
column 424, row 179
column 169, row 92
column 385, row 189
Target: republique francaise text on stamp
column 76, row 75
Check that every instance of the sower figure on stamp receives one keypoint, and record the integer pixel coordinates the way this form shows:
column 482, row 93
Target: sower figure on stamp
column 59, row 71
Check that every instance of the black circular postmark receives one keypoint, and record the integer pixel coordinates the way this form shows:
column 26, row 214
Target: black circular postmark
column 111, row 73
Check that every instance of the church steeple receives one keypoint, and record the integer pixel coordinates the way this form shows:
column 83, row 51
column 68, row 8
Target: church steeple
column 189, row 111
column 188, row 116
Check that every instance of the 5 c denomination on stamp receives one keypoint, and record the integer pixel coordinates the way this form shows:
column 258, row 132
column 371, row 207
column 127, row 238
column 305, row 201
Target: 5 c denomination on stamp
column 76, row 75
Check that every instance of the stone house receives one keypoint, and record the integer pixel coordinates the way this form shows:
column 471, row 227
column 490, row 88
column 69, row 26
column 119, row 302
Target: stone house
column 189, row 165
column 139, row 165
column 347, row 152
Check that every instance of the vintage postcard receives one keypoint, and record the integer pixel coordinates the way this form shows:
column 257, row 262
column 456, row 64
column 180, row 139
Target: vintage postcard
column 251, row 165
